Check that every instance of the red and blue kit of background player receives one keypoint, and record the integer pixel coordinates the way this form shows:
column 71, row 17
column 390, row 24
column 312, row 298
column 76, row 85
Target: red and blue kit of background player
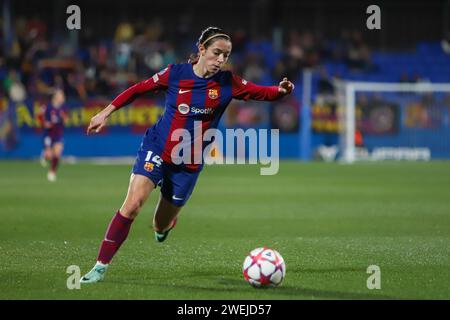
column 53, row 124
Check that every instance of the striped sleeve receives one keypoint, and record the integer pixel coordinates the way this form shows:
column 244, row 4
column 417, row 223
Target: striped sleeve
column 159, row 81
column 246, row 90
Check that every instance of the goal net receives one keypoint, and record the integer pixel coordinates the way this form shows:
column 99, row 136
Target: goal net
column 393, row 121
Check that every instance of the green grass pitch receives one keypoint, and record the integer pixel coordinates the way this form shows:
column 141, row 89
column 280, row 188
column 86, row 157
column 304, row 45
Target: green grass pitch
column 329, row 222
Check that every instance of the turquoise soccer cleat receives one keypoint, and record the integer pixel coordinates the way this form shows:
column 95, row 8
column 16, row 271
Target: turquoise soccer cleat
column 96, row 274
column 160, row 237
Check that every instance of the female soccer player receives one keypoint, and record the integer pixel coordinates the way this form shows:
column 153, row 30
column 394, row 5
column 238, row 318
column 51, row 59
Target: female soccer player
column 52, row 117
column 195, row 91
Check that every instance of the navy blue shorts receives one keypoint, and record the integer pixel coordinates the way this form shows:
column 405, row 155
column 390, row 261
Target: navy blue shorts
column 176, row 182
column 49, row 141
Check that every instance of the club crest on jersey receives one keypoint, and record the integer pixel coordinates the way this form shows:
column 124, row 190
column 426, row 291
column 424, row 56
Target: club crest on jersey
column 183, row 108
column 148, row 166
column 213, row 93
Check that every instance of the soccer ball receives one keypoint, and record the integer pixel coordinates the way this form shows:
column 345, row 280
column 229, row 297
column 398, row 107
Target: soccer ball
column 264, row 267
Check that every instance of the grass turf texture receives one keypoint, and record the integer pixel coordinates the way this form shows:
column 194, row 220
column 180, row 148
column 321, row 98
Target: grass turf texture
column 329, row 221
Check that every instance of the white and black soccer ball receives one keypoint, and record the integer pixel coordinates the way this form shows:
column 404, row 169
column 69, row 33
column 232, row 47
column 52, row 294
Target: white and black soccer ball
column 264, row 267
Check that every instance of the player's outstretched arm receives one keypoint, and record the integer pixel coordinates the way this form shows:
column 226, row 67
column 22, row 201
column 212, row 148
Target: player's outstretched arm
column 245, row 90
column 100, row 119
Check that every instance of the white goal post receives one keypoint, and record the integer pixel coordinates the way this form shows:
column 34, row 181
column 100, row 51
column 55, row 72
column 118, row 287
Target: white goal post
column 346, row 96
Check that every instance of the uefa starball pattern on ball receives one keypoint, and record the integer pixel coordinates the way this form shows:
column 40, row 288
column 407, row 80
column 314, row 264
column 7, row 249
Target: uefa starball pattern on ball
column 264, row 267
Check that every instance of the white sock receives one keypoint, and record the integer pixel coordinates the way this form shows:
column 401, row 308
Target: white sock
column 99, row 264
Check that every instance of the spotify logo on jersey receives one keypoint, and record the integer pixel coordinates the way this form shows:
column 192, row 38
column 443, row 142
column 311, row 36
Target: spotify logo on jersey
column 183, row 108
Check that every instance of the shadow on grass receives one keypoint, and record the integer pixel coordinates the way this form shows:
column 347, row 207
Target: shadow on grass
column 282, row 291
column 301, row 292
column 227, row 284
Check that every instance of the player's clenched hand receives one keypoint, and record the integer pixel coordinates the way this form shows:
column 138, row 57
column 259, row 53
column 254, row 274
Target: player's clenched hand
column 286, row 86
column 99, row 120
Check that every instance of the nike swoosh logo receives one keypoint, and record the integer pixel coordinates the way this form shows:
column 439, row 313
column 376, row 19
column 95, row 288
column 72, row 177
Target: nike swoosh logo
column 183, row 91
column 175, row 198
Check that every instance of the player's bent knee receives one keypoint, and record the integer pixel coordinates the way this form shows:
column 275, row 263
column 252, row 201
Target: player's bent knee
column 131, row 209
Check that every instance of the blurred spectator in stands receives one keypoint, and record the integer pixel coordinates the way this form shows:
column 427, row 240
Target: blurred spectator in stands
column 310, row 50
column 14, row 87
column 294, row 48
column 302, row 52
column 325, row 85
column 3, row 72
column 253, row 71
column 358, row 54
column 124, row 32
column 404, row 78
column 240, row 39
column 280, row 70
column 261, row 45
column 237, row 59
column 103, row 84
column 445, row 43
column 76, row 83
column 417, row 78
column 122, row 55
column 340, row 46
column 137, row 49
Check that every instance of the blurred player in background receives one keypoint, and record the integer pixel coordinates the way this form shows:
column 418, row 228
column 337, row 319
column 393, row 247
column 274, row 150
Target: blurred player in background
column 195, row 91
column 52, row 117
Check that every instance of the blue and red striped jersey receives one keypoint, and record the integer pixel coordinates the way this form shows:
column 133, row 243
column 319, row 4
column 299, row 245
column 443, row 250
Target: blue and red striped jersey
column 192, row 100
column 52, row 120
